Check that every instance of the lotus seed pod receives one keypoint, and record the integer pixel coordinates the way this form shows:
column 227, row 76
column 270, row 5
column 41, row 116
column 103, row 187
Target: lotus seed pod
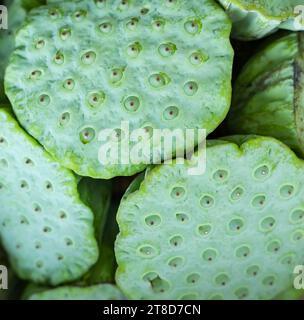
column 45, row 228
column 255, row 19
column 235, row 232
column 97, row 292
column 17, row 10
column 268, row 93
column 82, row 67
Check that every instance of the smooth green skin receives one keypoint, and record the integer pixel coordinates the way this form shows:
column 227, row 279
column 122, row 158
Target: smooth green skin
column 45, row 228
column 105, row 268
column 255, row 19
column 235, row 218
column 97, row 292
column 59, row 125
column 105, row 231
column 269, row 94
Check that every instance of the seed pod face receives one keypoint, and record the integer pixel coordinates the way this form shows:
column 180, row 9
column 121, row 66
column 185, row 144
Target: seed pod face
column 268, row 93
column 256, row 19
column 98, row 292
column 236, row 232
column 45, row 228
column 81, row 67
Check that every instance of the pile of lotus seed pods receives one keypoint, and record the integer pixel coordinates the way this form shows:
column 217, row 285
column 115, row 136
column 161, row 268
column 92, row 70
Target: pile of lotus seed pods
column 75, row 227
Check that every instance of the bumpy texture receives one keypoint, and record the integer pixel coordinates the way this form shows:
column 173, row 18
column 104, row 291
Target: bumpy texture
column 98, row 292
column 83, row 66
column 254, row 19
column 45, row 228
column 269, row 93
column 235, row 232
column 17, row 10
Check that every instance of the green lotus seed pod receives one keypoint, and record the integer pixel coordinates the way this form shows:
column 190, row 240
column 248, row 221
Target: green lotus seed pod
column 235, row 232
column 17, row 10
column 268, row 94
column 45, row 228
column 97, row 292
column 255, row 19
column 81, row 67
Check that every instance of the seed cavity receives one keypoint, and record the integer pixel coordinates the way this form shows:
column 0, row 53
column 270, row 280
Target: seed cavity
column 147, row 251
column 297, row 216
column 220, row 175
column 176, row 262
column 65, row 33
column 159, row 80
column 253, row 271
column 64, row 119
column 262, row 172
column 298, row 235
column 69, row 84
column 241, row 293
column 176, row 241
column 190, row 88
column 207, row 201
column 59, row 58
column 236, row 225
column 267, row 224
column 193, row 26
column 95, row 99
column 167, row 49
column 79, row 15
column 132, row 103
column 158, row 25
column 40, row 44
column 198, row 58
column 36, row 74
column 132, row 24
column 274, row 246
column 87, row 135
column 222, row 279
column 88, row 58
column 178, row 192
column 153, row 220
column 182, row 217
column 242, row 252
column 210, row 255
column 193, row 278
column 106, row 27
column 287, row 191
column 204, row 229
column 259, row 201
column 171, row 113
column 44, row 100
column 237, row 193
column 269, row 281
column 134, row 49
column 116, row 75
